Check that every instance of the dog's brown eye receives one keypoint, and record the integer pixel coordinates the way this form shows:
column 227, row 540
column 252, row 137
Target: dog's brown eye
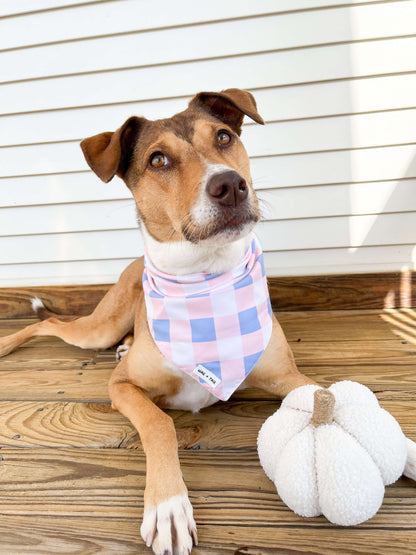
column 224, row 138
column 157, row 160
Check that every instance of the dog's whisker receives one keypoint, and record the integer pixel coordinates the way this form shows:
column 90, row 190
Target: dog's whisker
column 266, row 209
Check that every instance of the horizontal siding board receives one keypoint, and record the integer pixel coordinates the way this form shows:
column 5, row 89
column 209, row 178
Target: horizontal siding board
column 276, row 32
column 389, row 163
column 314, row 233
column 278, row 204
column 246, row 71
column 341, row 261
column 94, row 245
column 59, row 188
column 284, row 103
column 11, row 7
column 332, row 133
column 286, row 263
column 128, row 16
column 373, row 164
column 339, row 232
column 60, row 218
column 63, row 273
column 335, row 165
column 339, row 200
column 386, row 163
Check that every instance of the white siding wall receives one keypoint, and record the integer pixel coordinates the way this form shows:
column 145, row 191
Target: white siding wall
column 335, row 164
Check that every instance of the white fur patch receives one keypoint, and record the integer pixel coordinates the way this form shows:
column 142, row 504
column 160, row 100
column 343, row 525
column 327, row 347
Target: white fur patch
column 37, row 304
column 183, row 257
column 192, row 396
column 122, row 351
column 156, row 529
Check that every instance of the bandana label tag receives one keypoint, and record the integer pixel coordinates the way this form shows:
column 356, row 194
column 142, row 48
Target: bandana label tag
column 208, row 377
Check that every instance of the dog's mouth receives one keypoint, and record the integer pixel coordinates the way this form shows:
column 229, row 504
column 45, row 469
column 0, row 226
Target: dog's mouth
column 229, row 223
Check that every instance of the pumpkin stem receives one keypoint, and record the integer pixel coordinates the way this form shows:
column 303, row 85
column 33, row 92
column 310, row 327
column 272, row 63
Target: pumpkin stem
column 323, row 407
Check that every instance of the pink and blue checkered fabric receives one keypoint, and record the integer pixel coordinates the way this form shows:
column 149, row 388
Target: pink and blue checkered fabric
column 215, row 327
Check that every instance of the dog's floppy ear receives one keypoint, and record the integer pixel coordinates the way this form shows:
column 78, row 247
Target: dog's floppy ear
column 229, row 106
column 109, row 153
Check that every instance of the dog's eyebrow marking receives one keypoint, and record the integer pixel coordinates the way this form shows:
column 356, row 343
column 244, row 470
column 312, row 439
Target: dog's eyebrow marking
column 182, row 127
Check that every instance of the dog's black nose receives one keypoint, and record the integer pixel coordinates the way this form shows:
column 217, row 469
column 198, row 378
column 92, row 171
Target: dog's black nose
column 227, row 188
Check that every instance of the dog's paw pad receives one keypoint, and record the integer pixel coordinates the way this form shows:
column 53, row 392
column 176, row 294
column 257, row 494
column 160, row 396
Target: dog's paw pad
column 170, row 527
column 122, row 351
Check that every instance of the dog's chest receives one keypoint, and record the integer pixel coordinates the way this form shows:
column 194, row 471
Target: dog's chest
column 192, row 396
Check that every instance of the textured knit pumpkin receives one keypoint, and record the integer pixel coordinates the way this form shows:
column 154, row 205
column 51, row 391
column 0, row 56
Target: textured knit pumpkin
column 332, row 451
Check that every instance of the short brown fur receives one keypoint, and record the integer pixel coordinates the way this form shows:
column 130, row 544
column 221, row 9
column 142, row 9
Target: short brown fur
column 164, row 199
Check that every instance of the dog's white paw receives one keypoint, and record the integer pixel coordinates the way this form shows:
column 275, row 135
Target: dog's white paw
column 170, row 527
column 122, row 351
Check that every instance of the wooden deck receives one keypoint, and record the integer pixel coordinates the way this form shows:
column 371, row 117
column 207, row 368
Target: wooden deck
column 73, row 471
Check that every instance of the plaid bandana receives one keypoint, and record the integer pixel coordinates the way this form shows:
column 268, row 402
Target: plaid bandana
column 215, row 327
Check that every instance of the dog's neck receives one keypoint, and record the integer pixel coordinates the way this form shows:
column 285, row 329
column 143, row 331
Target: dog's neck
column 183, row 257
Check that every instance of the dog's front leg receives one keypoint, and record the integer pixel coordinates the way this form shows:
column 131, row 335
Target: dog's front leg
column 168, row 524
column 276, row 371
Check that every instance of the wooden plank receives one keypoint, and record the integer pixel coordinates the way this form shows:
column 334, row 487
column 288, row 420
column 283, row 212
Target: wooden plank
column 278, row 138
column 170, row 45
column 29, row 376
column 345, row 353
column 43, row 381
column 371, row 291
column 354, row 291
column 341, row 325
column 376, row 377
column 15, row 303
column 296, row 66
column 275, row 103
column 231, row 425
column 315, row 326
column 318, row 325
column 110, row 483
column 49, row 535
column 342, row 353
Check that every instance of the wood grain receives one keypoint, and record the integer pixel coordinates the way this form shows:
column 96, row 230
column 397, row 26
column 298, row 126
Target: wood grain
column 317, row 325
column 343, row 292
column 72, row 470
column 78, row 300
column 332, row 292
column 231, row 425
column 48, row 534
column 69, row 482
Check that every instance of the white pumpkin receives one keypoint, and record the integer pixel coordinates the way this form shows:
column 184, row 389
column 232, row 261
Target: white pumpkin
column 332, row 451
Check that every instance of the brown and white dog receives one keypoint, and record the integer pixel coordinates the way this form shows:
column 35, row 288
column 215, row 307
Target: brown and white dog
column 190, row 179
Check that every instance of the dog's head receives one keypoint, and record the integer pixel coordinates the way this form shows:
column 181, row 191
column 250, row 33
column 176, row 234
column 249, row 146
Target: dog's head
column 189, row 174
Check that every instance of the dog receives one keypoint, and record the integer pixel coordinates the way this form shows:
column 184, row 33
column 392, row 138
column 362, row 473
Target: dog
column 190, row 179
